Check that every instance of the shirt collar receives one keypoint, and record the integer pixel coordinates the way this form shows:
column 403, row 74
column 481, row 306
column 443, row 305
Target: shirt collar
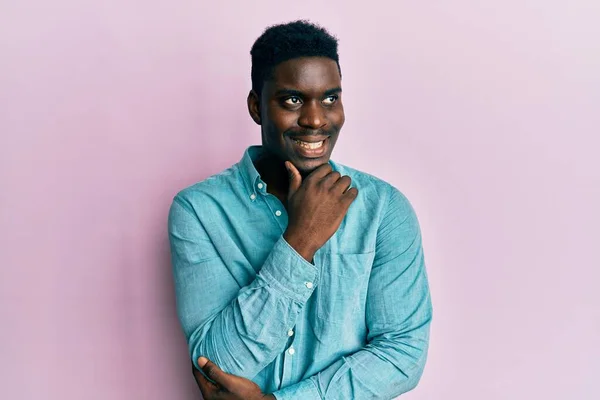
column 249, row 172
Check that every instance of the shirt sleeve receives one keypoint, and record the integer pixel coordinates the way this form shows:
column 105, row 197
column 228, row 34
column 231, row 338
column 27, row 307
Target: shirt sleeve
column 241, row 329
column 398, row 316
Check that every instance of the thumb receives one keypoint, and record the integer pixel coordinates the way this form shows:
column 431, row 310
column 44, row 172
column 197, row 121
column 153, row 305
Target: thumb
column 213, row 372
column 295, row 178
column 202, row 362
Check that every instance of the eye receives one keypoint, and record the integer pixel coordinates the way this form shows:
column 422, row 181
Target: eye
column 293, row 101
column 330, row 99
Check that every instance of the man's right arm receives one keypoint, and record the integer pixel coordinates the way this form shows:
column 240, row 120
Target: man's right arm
column 241, row 329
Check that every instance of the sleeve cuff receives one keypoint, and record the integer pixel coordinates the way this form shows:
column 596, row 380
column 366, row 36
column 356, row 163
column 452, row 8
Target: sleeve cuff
column 306, row 390
column 289, row 272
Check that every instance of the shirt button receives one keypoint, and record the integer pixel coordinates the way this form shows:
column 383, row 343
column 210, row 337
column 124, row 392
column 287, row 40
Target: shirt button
column 291, row 351
column 290, row 333
column 252, row 196
column 309, row 285
column 278, row 213
column 260, row 185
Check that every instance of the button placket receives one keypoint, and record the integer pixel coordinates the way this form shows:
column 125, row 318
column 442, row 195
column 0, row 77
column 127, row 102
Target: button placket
column 275, row 206
column 287, row 368
column 288, row 359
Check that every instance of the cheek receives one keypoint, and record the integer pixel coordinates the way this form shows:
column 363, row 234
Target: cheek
column 282, row 121
column 338, row 118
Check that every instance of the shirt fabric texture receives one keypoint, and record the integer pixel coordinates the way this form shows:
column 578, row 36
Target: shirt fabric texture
column 353, row 325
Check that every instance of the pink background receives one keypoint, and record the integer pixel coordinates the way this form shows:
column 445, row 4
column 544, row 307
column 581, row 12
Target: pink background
column 486, row 116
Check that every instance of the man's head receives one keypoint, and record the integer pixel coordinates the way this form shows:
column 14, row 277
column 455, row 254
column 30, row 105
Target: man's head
column 296, row 93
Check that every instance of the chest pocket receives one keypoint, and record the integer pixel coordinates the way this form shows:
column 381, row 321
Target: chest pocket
column 342, row 289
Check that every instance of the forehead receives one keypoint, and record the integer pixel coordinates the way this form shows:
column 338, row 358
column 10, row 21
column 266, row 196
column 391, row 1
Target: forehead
column 306, row 74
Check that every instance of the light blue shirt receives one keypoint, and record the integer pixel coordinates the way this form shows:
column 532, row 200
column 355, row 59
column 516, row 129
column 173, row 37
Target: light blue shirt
column 355, row 325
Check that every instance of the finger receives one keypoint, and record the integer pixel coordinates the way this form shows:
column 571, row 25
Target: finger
column 207, row 388
column 349, row 196
column 215, row 373
column 330, row 179
column 295, row 178
column 342, row 184
column 320, row 172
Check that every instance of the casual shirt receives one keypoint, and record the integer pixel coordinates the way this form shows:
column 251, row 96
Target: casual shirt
column 354, row 324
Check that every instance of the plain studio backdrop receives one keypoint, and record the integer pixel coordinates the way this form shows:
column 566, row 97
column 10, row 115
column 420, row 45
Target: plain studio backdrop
column 486, row 114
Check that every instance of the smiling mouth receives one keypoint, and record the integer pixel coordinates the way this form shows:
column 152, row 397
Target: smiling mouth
column 309, row 145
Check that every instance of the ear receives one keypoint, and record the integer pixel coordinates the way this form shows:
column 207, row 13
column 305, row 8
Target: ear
column 254, row 106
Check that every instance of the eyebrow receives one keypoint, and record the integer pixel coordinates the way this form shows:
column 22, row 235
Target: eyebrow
column 297, row 93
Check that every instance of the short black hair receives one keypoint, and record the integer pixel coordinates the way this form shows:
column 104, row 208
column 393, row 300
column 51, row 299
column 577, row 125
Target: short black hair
column 283, row 42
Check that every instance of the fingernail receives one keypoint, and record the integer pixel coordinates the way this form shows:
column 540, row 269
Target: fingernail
column 202, row 362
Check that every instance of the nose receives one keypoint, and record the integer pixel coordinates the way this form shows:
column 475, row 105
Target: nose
column 312, row 116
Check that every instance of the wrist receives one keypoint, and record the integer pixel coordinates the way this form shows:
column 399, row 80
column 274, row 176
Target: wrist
column 301, row 245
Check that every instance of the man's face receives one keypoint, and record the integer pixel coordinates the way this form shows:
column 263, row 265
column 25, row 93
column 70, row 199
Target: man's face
column 301, row 111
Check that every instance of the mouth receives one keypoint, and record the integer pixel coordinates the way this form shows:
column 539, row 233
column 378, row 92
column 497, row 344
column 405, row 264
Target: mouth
column 313, row 147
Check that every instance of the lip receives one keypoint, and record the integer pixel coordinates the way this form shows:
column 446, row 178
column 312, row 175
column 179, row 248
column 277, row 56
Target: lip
column 310, row 139
column 310, row 153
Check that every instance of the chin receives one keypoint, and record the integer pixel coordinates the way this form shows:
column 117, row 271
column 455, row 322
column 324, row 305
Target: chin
column 307, row 166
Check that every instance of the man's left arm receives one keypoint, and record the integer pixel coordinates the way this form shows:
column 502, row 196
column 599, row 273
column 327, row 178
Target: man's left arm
column 398, row 313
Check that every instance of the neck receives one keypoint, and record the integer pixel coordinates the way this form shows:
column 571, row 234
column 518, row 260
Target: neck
column 272, row 170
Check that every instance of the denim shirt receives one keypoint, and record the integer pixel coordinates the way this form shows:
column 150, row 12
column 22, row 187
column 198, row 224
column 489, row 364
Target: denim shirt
column 354, row 324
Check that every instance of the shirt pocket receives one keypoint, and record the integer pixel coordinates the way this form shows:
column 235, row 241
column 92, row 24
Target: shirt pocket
column 342, row 289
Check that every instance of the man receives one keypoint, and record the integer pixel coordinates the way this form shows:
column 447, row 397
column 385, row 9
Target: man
column 297, row 277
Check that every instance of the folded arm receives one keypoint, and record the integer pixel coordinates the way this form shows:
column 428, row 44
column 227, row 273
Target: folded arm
column 241, row 329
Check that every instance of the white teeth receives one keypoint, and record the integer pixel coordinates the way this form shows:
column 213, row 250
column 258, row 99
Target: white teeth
column 309, row 145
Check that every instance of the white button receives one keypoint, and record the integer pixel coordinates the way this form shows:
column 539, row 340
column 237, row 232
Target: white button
column 252, row 196
column 260, row 185
column 278, row 213
column 309, row 285
column 291, row 351
column 290, row 333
